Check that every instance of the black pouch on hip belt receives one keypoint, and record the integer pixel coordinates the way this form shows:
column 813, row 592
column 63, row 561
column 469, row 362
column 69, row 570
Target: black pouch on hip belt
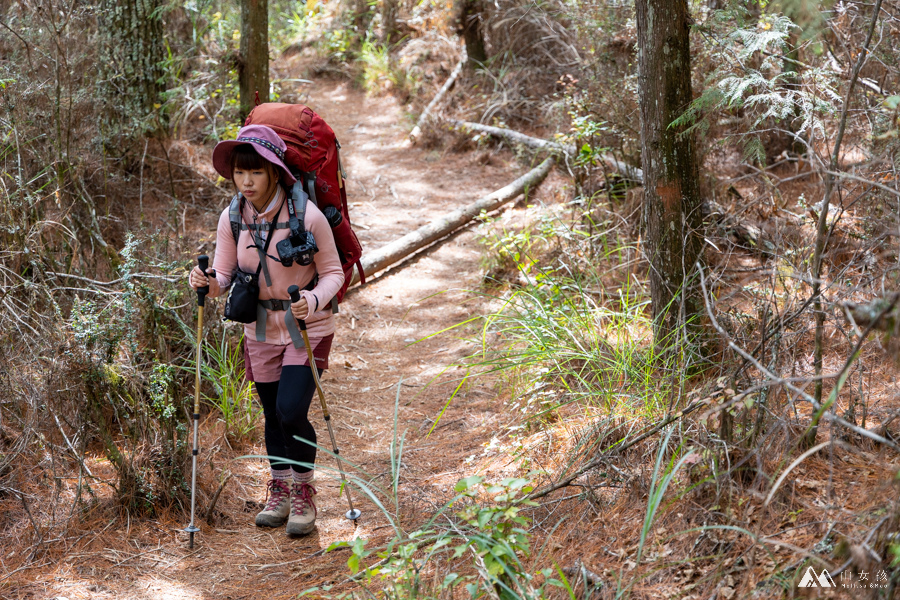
column 242, row 297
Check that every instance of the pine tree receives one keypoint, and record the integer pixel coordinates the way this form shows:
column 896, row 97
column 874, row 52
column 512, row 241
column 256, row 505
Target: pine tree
column 469, row 18
column 671, row 172
column 253, row 66
column 131, row 65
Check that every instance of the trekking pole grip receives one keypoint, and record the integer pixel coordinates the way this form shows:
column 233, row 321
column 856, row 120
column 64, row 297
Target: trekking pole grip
column 203, row 263
column 294, row 291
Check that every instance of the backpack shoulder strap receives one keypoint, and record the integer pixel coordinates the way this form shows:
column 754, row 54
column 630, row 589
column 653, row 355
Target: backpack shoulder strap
column 234, row 216
column 297, row 205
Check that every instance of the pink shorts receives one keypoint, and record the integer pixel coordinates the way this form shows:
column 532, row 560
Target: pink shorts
column 263, row 362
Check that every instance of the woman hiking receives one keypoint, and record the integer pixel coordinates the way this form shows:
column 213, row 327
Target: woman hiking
column 280, row 371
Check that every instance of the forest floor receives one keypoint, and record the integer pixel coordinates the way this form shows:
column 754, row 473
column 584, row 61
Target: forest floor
column 392, row 189
column 729, row 541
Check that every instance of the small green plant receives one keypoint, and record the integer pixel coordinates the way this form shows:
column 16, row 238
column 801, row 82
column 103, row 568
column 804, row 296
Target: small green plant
column 337, row 45
column 291, row 25
column 233, row 398
column 161, row 385
column 510, row 251
column 480, row 548
column 379, row 73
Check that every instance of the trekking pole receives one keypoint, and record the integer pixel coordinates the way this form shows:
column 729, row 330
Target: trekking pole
column 353, row 514
column 203, row 263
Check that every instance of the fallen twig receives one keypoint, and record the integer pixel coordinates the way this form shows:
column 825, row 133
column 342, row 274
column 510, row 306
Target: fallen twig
column 617, row 449
column 215, row 498
column 417, row 130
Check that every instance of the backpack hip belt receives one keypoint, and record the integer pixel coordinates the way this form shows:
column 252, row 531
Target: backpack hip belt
column 276, row 304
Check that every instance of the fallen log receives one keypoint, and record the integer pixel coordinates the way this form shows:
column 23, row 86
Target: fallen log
column 417, row 130
column 626, row 170
column 513, row 136
column 400, row 249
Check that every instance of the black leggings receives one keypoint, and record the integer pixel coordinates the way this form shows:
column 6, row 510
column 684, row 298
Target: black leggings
column 286, row 408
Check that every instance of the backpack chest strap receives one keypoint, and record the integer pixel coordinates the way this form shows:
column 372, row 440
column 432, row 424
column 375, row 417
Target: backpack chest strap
column 263, row 226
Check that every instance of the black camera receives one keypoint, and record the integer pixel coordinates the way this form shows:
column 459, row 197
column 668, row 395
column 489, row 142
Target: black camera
column 300, row 247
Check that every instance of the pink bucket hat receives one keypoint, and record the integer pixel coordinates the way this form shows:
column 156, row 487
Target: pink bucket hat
column 262, row 139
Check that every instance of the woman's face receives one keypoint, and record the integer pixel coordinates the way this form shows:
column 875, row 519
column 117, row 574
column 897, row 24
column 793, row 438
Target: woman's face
column 254, row 184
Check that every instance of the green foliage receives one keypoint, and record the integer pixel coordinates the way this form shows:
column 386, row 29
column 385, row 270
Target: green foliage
column 161, row 383
column 338, row 44
column 94, row 330
column 552, row 331
column 379, row 73
column 132, row 399
column 291, row 22
column 512, row 250
column 658, row 485
column 759, row 76
column 769, row 34
column 481, row 551
column 584, row 130
column 202, row 98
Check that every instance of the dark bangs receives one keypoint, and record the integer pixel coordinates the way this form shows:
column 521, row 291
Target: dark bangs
column 245, row 158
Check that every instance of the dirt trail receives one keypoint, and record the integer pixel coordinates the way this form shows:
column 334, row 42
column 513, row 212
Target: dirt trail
column 392, row 189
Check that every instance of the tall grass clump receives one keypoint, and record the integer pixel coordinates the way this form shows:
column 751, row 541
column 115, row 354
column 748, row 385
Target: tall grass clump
column 555, row 334
column 232, row 394
column 566, row 332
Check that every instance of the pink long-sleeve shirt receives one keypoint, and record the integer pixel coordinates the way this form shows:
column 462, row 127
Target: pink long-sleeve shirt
column 319, row 319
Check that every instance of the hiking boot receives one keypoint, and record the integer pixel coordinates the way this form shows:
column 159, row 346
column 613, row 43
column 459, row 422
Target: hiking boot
column 278, row 504
column 303, row 509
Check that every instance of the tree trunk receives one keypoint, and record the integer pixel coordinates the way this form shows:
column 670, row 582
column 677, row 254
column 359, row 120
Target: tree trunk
column 131, row 53
column 362, row 18
column 253, row 67
column 389, row 33
column 671, row 174
column 470, row 25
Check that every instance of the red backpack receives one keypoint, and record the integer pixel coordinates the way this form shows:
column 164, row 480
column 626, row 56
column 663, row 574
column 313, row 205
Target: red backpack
column 314, row 152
